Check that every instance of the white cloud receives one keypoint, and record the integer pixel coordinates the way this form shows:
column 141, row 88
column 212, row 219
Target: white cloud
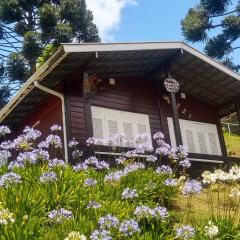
column 107, row 15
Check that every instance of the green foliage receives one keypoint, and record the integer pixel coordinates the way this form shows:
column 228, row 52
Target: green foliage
column 31, row 201
column 46, row 53
column 28, row 201
column 17, row 67
column 215, row 6
column 31, row 46
column 39, row 23
column 194, row 25
column 233, row 144
column 4, row 95
column 209, row 15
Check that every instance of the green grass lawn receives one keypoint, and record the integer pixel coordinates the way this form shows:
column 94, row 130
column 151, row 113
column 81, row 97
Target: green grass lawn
column 201, row 211
column 233, row 144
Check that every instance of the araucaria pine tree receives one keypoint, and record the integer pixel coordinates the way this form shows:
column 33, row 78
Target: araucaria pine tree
column 217, row 23
column 38, row 24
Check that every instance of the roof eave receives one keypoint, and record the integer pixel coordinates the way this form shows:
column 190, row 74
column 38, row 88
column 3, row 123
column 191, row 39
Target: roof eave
column 43, row 71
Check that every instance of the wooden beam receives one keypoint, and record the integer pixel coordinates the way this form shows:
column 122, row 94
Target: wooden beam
column 87, row 105
column 237, row 106
column 176, row 122
column 222, row 142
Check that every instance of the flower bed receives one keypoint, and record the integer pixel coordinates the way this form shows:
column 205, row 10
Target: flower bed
column 44, row 198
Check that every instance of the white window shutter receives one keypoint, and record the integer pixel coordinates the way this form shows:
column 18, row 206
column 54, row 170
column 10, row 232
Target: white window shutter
column 142, row 128
column 97, row 128
column 128, row 130
column 171, row 132
column 198, row 137
column 213, row 143
column 109, row 122
column 190, row 141
column 112, row 127
column 202, row 143
column 98, row 122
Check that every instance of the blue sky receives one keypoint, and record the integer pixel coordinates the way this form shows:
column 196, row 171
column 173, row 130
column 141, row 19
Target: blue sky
column 143, row 20
column 140, row 20
column 153, row 20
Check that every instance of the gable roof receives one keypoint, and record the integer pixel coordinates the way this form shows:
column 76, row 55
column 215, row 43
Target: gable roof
column 197, row 73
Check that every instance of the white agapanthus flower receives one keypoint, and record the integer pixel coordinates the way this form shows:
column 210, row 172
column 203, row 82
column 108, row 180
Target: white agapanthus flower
column 75, row 236
column 211, row 230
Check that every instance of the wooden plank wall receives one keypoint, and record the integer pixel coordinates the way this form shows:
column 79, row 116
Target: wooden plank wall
column 133, row 95
column 47, row 113
column 75, row 110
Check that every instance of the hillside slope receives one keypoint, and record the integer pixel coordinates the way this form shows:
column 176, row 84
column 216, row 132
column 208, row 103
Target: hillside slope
column 233, row 144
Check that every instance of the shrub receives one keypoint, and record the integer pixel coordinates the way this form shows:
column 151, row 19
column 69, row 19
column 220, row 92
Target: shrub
column 42, row 197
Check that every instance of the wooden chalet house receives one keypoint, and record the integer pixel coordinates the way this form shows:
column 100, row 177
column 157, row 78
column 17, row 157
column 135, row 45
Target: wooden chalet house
column 107, row 88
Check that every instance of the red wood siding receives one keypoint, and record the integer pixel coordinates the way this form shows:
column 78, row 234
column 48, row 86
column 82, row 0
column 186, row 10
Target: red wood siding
column 49, row 112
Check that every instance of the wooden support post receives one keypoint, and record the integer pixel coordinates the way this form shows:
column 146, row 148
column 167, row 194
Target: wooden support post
column 176, row 122
column 237, row 105
column 87, row 105
column 222, row 143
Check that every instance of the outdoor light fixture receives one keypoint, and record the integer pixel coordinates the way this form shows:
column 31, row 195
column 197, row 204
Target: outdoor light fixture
column 112, row 81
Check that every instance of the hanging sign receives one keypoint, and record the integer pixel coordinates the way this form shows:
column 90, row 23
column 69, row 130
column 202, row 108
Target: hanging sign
column 171, row 85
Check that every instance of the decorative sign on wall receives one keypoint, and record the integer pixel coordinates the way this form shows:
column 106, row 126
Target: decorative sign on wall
column 171, row 85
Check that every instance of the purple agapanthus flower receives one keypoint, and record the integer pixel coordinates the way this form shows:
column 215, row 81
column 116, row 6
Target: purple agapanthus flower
column 171, row 182
column 192, row 187
column 129, row 193
column 185, row 163
column 4, row 130
column 101, row 235
column 4, row 156
column 48, row 177
column 129, row 227
column 59, row 215
column 90, row 182
column 15, row 164
column 41, row 155
column 31, row 133
column 93, row 205
column 164, row 169
column 73, row 143
column 9, row 178
column 102, row 165
column 55, row 128
column 160, row 212
column 185, row 232
column 56, row 163
column 163, row 149
column 151, row 158
column 108, row 221
column 7, row 145
column 27, row 157
column 80, row 167
column 54, row 140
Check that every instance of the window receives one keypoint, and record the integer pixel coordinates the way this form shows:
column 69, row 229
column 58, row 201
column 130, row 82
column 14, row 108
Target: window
column 108, row 122
column 197, row 137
